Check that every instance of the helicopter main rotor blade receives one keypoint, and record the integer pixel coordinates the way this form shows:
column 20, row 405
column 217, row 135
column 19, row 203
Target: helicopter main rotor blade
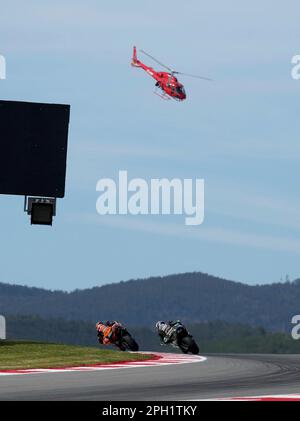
column 195, row 76
column 173, row 72
column 158, row 62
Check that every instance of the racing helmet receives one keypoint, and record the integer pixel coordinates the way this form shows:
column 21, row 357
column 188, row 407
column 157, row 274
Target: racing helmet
column 158, row 324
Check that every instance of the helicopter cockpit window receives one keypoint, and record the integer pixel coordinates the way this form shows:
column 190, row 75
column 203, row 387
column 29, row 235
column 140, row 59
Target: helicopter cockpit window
column 180, row 90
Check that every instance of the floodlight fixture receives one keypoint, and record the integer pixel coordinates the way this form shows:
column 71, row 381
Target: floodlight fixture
column 41, row 209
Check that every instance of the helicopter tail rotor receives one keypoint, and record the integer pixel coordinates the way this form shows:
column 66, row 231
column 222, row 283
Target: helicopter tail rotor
column 135, row 61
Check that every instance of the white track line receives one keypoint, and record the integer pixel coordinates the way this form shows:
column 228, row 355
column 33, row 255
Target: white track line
column 159, row 360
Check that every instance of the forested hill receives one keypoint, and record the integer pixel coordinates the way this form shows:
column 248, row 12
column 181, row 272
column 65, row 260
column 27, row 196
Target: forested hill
column 192, row 297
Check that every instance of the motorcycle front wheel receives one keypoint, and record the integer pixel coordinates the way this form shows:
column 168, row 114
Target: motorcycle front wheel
column 128, row 343
column 188, row 344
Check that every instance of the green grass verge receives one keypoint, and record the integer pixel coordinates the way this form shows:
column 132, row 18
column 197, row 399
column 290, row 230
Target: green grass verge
column 24, row 355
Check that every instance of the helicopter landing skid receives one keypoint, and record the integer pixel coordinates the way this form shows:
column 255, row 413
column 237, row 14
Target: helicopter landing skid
column 162, row 95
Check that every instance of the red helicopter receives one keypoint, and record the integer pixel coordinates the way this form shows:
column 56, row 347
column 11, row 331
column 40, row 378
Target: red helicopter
column 165, row 81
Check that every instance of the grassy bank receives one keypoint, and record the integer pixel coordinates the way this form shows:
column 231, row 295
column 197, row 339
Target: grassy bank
column 25, row 355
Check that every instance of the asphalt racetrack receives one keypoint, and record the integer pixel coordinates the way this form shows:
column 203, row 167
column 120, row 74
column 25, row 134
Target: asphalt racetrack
column 219, row 376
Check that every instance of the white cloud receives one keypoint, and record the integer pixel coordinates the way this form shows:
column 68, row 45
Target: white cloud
column 210, row 234
column 228, row 200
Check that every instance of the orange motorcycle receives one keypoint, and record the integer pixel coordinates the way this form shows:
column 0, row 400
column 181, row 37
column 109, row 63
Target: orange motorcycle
column 116, row 334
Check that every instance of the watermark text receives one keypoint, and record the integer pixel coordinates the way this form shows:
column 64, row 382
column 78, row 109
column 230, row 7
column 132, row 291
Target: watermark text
column 157, row 197
column 296, row 328
column 296, row 68
column 2, row 67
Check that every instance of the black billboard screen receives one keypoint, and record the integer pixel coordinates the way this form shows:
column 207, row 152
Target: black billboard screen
column 33, row 148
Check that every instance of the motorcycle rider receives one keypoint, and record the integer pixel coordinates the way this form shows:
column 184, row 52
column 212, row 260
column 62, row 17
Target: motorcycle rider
column 105, row 331
column 167, row 329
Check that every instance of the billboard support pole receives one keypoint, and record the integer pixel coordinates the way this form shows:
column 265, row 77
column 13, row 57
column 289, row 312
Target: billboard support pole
column 25, row 204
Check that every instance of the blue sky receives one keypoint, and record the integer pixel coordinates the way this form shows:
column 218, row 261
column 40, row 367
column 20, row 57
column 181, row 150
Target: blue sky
column 240, row 133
